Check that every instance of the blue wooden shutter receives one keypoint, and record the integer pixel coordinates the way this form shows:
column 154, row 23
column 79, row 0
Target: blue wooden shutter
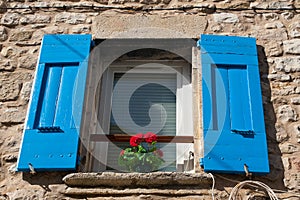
column 234, row 131
column 51, row 134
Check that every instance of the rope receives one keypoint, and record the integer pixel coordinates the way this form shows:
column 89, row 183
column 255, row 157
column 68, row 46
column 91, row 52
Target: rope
column 235, row 190
column 275, row 190
column 213, row 186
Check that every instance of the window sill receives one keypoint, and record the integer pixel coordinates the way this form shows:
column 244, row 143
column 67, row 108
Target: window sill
column 134, row 180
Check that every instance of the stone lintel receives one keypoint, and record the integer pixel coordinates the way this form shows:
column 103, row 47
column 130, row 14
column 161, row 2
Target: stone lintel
column 148, row 26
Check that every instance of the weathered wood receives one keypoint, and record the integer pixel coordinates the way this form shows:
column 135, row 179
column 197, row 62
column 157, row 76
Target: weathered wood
column 197, row 109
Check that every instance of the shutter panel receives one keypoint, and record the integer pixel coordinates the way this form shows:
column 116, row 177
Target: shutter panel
column 234, row 131
column 52, row 128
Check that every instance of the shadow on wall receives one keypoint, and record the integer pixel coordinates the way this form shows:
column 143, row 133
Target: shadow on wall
column 44, row 179
column 275, row 178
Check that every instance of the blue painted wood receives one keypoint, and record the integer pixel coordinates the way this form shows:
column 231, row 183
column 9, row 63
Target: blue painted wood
column 223, row 44
column 234, row 131
column 63, row 112
column 50, row 139
column 239, row 98
column 73, row 48
column 34, row 100
column 233, row 59
column 50, row 92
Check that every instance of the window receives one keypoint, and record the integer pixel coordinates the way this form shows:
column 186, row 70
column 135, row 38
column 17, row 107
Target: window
column 73, row 100
column 144, row 96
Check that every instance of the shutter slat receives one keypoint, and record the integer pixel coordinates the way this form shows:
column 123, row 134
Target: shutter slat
column 239, row 99
column 53, row 75
column 63, row 113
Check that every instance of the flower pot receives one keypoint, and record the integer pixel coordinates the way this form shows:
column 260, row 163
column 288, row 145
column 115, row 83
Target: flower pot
column 143, row 168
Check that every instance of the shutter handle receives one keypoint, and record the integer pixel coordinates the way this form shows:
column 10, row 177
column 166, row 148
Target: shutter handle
column 55, row 129
column 243, row 132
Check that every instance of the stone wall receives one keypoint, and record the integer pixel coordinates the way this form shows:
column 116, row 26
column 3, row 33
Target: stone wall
column 275, row 24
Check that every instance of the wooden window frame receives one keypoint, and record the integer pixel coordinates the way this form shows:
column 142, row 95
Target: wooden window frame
column 182, row 123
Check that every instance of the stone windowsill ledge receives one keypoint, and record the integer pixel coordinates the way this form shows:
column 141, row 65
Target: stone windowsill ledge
column 133, row 180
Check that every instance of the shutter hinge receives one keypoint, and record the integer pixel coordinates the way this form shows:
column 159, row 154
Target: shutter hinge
column 50, row 129
column 243, row 132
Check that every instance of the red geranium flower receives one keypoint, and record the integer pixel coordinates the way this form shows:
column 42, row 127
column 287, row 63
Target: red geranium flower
column 159, row 153
column 122, row 152
column 150, row 137
column 136, row 139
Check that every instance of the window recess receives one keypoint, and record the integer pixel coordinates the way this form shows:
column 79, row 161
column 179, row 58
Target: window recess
column 155, row 105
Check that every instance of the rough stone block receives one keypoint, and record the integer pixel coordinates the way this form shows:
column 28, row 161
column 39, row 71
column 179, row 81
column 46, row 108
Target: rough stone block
column 148, row 26
column 8, row 65
column 292, row 46
column 294, row 30
column 288, row 64
column 292, row 181
column 9, row 90
column 295, row 100
column 235, row 5
column 3, row 34
column 217, row 28
column 10, row 19
column 35, row 19
column 3, row 7
column 274, row 25
column 101, row 1
column 25, row 91
column 286, row 113
column 81, row 29
column 288, row 148
column 12, row 115
column 10, row 158
column 287, row 15
column 271, row 35
column 280, row 5
column 272, row 5
column 274, row 49
column 27, row 62
column 26, row 193
column 295, row 162
column 286, row 163
column 281, row 136
column 270, row 16
column 284, row 90
column 70, row 18
column 9, row 52
column 21, row 36
column 225, row 18
column 279, row 77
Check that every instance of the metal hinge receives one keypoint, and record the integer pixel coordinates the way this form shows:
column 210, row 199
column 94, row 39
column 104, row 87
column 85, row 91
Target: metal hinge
column 243, row 132
column 45, row 129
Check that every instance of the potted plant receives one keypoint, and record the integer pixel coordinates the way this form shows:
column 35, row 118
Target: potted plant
column 143, row 155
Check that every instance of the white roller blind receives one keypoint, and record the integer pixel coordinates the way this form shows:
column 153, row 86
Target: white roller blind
column 143, row 102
